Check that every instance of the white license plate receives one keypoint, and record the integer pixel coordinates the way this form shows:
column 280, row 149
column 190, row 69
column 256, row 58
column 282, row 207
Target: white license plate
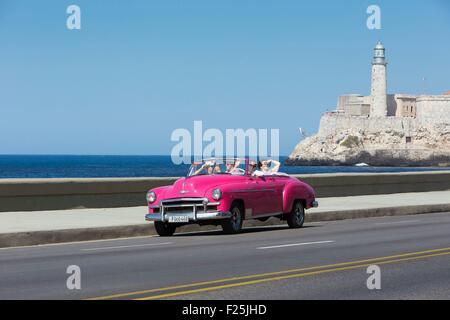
column 178, row 219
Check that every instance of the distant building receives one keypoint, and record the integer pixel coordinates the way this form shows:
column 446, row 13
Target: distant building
column 382, row 104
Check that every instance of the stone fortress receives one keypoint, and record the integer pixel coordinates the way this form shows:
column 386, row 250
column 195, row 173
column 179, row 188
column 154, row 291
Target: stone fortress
column 381, row 129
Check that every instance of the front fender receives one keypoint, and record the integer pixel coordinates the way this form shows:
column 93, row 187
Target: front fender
column 227, row 198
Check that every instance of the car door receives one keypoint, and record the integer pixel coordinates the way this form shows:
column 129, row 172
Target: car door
column 277, row 183
column 263, row 195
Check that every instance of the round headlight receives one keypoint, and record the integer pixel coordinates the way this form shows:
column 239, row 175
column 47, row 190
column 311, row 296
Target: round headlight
column 151, row 196
column 216, row 194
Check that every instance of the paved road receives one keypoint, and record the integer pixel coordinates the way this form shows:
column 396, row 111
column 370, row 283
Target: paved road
column 324, row 260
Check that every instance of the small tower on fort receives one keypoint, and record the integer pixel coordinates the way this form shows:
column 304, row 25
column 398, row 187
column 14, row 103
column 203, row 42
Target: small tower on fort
column 378, row 95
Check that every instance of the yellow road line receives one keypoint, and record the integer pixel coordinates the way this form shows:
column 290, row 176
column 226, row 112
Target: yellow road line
column 183, row 286
column 301, row 275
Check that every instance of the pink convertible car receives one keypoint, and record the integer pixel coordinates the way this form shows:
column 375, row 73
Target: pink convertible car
column 225, row 192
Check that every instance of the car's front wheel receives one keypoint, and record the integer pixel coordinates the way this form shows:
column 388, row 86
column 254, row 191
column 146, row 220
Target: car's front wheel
column 297, row 217
column 164, row 229
column 234, row 224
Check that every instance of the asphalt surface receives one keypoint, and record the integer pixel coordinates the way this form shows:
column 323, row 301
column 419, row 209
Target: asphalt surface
column 326, row 260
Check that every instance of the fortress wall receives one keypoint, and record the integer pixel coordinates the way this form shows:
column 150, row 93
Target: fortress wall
column 433, row 108
column 331, row 123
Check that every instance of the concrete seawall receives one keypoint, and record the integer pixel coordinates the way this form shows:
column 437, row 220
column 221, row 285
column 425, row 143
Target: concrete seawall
column 346, row 185
column 58, row 194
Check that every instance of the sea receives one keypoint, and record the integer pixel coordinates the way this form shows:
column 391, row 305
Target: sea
column 93, row 166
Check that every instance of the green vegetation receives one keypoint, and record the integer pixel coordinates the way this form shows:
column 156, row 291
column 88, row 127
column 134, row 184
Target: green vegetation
column 351, row 142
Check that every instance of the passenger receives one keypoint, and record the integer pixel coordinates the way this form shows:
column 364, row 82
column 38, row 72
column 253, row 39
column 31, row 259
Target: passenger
column 208, row 168
column 232, row 167
column 252, row 166
column 204, row 169
column 264, row 168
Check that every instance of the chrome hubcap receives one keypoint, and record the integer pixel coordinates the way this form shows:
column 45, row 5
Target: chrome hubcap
column 299, row 214
column 236, row 218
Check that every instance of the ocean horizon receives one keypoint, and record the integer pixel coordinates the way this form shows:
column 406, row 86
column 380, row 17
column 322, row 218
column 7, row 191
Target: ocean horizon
column 109, row 166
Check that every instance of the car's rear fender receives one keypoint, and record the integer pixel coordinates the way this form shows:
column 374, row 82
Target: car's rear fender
column 297, row 191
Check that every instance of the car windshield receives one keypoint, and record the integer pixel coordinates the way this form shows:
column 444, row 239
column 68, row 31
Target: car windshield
column 217, row 166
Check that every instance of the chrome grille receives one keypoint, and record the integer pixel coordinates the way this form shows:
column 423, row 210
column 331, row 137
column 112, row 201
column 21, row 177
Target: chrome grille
column 190, row 206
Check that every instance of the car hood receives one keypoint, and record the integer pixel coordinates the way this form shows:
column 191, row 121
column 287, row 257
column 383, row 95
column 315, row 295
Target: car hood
column 197, row 186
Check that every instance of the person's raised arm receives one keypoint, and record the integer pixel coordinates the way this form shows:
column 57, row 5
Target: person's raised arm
column 236, row 165
column 276, row 166
column 200, row 170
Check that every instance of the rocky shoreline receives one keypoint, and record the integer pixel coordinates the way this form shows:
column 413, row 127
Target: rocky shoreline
column 394, row 142
column 380, row 158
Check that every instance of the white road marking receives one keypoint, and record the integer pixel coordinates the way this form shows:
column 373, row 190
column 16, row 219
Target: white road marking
column 397, row 222
column 295, row 244
column 130, row 246
column 72, row 243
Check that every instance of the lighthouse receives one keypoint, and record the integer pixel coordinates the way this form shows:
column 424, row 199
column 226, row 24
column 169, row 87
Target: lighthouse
column 378, row 95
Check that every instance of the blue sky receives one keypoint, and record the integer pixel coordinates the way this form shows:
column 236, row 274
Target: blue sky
column 137, row 70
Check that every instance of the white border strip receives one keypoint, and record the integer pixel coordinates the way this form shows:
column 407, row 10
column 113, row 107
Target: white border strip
column 130, row 246
column 295, row 244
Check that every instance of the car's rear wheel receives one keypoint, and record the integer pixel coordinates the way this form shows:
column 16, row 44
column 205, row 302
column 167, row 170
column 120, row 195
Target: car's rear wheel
column 164, row 229
column 297, row 217
column 234, row 224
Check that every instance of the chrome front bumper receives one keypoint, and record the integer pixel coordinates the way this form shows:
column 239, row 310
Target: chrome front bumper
column 214, row 215
column 196, row 209
column 315, row 204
